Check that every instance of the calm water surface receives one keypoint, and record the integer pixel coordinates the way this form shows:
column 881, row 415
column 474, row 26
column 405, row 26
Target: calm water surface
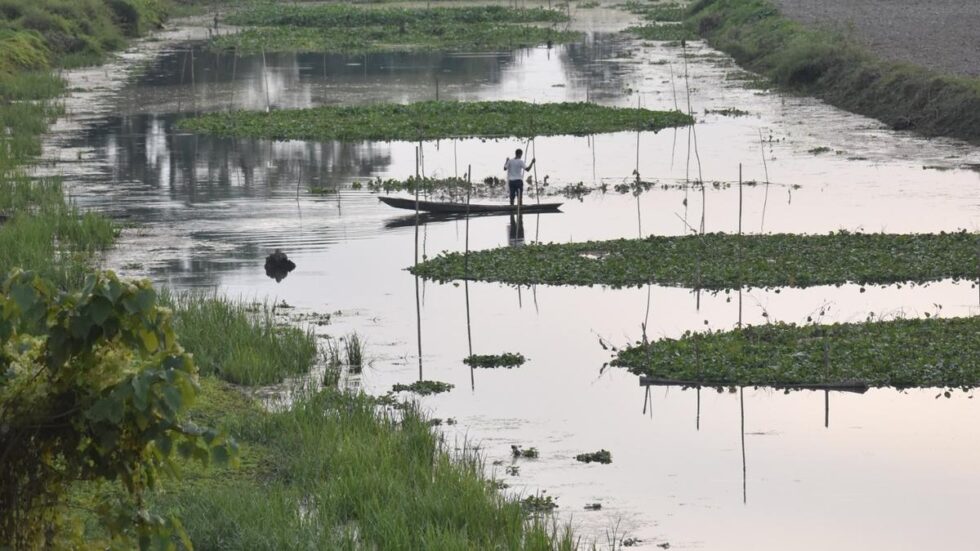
column 697, row 469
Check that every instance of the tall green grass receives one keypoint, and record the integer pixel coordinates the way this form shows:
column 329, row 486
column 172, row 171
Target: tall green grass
column 239, row 342
column 43, row 233
column 334, row 473
column 836, row 69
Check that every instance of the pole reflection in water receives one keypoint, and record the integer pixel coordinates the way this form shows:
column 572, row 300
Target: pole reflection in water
column 697, row 417
column 515, row 230
column 741, row 405
column 826, row 409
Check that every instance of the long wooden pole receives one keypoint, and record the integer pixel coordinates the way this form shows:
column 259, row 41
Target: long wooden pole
column 418, row 307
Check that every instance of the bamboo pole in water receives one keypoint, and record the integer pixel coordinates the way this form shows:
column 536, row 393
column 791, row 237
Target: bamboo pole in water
column 740, row 245
column 741, row 404
column 418, row 309
column 466, row 271
column 765, row 166
column 265, row 81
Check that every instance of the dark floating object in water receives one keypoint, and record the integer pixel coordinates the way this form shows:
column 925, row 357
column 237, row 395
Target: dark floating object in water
column 442, row 207
column 278, row 265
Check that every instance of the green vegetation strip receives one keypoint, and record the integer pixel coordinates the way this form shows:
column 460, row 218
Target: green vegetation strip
column 432, row 120
column 901, row 353
column 834, row 68
column 449, row 37
column 722, row 261
column 326, row 16
column 351, row 29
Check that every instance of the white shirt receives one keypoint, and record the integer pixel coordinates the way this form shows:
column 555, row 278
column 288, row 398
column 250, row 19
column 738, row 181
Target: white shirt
column 515, row 169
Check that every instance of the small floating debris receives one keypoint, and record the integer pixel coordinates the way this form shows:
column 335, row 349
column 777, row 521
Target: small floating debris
column 519, row 452
column 507, row 359
column 541, row 503
column 601, row 456
column 278, row 265
column 727, row 112
column 423, row 388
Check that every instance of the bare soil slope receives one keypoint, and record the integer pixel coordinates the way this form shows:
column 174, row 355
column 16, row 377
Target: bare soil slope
column 939, row 34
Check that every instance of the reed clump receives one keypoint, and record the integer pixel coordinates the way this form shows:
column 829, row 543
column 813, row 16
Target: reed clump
column 240, row 342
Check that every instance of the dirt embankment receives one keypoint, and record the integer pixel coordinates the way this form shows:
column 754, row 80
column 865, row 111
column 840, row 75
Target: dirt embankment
column 942, row 35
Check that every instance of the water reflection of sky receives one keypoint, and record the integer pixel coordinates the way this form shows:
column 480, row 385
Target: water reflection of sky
column 892, row 470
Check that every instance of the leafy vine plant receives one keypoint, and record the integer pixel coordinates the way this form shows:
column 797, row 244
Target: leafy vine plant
column 93, row 387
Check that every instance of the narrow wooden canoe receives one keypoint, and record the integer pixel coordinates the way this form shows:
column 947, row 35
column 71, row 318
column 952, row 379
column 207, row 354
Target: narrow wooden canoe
column 461, row 208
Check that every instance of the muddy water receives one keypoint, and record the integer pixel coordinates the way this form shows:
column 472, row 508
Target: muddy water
column 752, row 470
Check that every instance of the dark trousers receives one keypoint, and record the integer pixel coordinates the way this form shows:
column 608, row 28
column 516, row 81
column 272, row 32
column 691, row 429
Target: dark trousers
column 516, row 188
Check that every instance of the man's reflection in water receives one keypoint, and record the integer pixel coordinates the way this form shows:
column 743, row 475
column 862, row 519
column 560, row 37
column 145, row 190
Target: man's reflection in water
column 515, row 231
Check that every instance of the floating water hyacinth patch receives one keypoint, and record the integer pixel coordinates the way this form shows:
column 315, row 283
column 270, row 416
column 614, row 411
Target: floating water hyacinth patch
column 506, row 359
column 722, row 261
column 430, row 120
column 601, row 456
column 423, row 388
column 899, row 353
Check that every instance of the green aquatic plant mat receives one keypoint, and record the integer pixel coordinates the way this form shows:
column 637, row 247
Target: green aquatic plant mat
column 431, row 120
column 901, row 353
column 722, row 261
column 601, row 456
column 325, row 16
column 451, row 37
column 507, row 359
column 339, row 28
column 423, row 388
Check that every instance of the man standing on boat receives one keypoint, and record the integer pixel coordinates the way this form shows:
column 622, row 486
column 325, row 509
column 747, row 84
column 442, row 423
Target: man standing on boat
column 515, row 176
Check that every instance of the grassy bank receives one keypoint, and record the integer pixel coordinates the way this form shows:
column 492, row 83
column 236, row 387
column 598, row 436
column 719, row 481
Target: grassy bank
column 334, row 473
column 40, row 33
column 432, row 120
column 351, row 29
column 900, row 353
column 723, row 261
column 832, row 67
column 337, row 470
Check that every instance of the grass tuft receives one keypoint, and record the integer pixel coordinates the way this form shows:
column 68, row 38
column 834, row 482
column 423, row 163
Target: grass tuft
column 240, row 342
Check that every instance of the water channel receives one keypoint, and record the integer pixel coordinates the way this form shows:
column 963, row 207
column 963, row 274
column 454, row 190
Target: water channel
column 755, row 469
